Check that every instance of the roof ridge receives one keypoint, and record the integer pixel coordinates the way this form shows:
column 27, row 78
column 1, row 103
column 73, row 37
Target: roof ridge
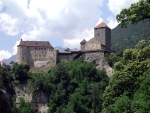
column 102, row 24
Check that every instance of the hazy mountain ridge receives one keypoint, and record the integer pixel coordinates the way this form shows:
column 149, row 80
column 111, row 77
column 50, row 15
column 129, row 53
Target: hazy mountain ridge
column 130, row 36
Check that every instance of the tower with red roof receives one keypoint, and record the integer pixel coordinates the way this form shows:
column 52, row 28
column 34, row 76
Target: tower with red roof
column 103, row 34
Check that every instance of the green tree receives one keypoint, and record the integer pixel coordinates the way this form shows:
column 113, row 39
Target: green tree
column 24, row 107
column 20, row 71
column 128, row 89
column 67, row 49
column 137, row 12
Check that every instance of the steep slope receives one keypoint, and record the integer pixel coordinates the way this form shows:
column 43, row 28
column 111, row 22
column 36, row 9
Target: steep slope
column 128, row 37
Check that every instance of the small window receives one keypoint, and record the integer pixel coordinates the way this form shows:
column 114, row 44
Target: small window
column 24, row 53
column 35, row 48
column 44, row 55
column 98, row 33
column 44, row 48
column 36, row 43
column 39, row 48
column 35, row 55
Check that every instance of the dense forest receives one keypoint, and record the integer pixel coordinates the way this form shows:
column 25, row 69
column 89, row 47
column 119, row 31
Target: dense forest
column 123, row 38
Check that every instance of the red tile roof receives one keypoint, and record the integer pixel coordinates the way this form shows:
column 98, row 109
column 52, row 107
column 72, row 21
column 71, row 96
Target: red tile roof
column 102, row 24
column 83, row 41
column 35, row 43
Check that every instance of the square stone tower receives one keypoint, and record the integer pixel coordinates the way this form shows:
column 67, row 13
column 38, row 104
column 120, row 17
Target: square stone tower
column 103, row 34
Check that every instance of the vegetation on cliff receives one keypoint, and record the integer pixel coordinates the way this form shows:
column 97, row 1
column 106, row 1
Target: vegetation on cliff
column 74, row 87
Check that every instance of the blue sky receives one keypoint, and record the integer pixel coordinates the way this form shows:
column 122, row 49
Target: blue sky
column 62, row 22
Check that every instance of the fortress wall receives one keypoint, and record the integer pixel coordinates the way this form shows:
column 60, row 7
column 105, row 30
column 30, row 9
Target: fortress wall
column 92, row 44
column 99, row 34
column 82, row 46
column 90, row 56
column 108, row 38
column 22, row 53
column 66, row 56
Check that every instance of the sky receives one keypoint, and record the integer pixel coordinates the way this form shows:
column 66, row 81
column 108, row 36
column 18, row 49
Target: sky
column 61, row 22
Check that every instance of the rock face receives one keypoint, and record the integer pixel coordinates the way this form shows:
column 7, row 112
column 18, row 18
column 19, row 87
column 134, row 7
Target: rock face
column 5, row 101
column 100, row 61
column 39, row 99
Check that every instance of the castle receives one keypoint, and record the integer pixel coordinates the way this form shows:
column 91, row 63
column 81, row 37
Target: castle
column 41, row 54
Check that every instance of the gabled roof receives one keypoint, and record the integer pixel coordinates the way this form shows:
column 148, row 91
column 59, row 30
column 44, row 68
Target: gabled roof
column 83, row 41
column 102, row 24
column 35, row 43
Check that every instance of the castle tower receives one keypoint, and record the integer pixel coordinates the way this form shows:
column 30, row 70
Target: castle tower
column 22, row 52
column 82, row 44
column 103, row 34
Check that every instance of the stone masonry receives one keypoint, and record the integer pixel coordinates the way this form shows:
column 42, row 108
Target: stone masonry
column 41, row 54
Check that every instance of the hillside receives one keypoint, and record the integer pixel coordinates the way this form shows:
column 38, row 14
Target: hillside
column 128, row 37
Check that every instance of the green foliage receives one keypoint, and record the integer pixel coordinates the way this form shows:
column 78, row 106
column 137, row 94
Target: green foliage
column 126, row 38
column 24, row 107
column 20, row 71
column 67, row 49
column 112, row 58
column 74, row 87
column 128, row 90
column 137, row 12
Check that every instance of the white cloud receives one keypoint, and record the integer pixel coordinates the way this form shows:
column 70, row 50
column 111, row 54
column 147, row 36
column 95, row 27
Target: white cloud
column 112, row 23
column 41, row 20
column 116, row 6
column 99, row 21
column 75, row 42
column 7, row 24
column 15, row 48
column 4, row 54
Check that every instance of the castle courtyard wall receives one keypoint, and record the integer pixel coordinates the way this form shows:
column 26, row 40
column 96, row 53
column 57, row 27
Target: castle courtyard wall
column 92, row 44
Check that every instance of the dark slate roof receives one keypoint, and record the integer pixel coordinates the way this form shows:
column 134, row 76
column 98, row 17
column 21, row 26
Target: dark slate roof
column 83, row 41
column 35, row 43
column 102, row 24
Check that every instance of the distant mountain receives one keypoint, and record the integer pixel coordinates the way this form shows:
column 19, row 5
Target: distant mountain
column 130, row 36
column 12, row 58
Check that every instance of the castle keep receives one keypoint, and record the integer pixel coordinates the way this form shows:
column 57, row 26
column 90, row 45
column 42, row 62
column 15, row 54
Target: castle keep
column 41, row 54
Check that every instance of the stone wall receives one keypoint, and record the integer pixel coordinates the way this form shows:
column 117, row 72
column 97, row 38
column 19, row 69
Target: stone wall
column 22, row 54
column 24, row 91
column 93, row 44
column 67, row 56
column 108, row 38
column 100, row 34
column 103, row 35
column 100, row 61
